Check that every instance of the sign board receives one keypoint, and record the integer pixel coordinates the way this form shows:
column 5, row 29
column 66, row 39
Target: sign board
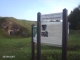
column 51, row 32
column 53, row 16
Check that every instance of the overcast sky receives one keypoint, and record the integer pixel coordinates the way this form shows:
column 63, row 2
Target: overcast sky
column 28, row 9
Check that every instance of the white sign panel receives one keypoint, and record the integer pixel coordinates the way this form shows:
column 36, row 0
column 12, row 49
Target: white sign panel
column 54, row 16
column 51, row 33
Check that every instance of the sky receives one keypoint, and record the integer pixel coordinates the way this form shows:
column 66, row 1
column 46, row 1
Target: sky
column 28, row 9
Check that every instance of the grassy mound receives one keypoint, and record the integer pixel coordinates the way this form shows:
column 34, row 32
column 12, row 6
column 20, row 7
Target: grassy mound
column 23, row 24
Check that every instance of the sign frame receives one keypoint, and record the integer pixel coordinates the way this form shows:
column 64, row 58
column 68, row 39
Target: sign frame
column 64, row 35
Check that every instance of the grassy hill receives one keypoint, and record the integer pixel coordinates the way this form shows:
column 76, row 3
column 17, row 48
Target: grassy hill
column 23, row 24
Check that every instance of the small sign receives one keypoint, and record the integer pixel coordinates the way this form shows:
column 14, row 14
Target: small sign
column 53, row 16
column 35, row 33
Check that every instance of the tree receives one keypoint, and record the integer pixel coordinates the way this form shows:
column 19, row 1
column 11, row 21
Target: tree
column 74, row 18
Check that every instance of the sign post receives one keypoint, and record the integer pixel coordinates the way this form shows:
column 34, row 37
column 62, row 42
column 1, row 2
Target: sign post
column 39, row 36
column 64, row 35
column 33, row 44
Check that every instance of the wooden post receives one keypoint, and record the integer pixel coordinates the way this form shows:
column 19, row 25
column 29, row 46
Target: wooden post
column 64, row 35
column 38, row 36
column 33, row 46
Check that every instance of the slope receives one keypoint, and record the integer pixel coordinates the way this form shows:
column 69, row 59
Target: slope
column 24, row 27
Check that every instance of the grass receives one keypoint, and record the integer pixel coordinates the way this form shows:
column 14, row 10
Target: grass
column 21, row 48
column 18, row 47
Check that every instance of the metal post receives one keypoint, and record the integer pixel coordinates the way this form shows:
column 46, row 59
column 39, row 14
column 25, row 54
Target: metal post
column 65, row 35
column 33, row 46
column 38, row 36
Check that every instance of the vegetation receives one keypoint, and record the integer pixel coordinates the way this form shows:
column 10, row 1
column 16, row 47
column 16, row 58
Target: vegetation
column 21, row 48
column 74, row 18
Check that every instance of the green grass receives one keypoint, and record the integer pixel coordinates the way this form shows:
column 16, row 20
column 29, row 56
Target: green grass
column 18, row 47
column 21, row 48
column 27, row 23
